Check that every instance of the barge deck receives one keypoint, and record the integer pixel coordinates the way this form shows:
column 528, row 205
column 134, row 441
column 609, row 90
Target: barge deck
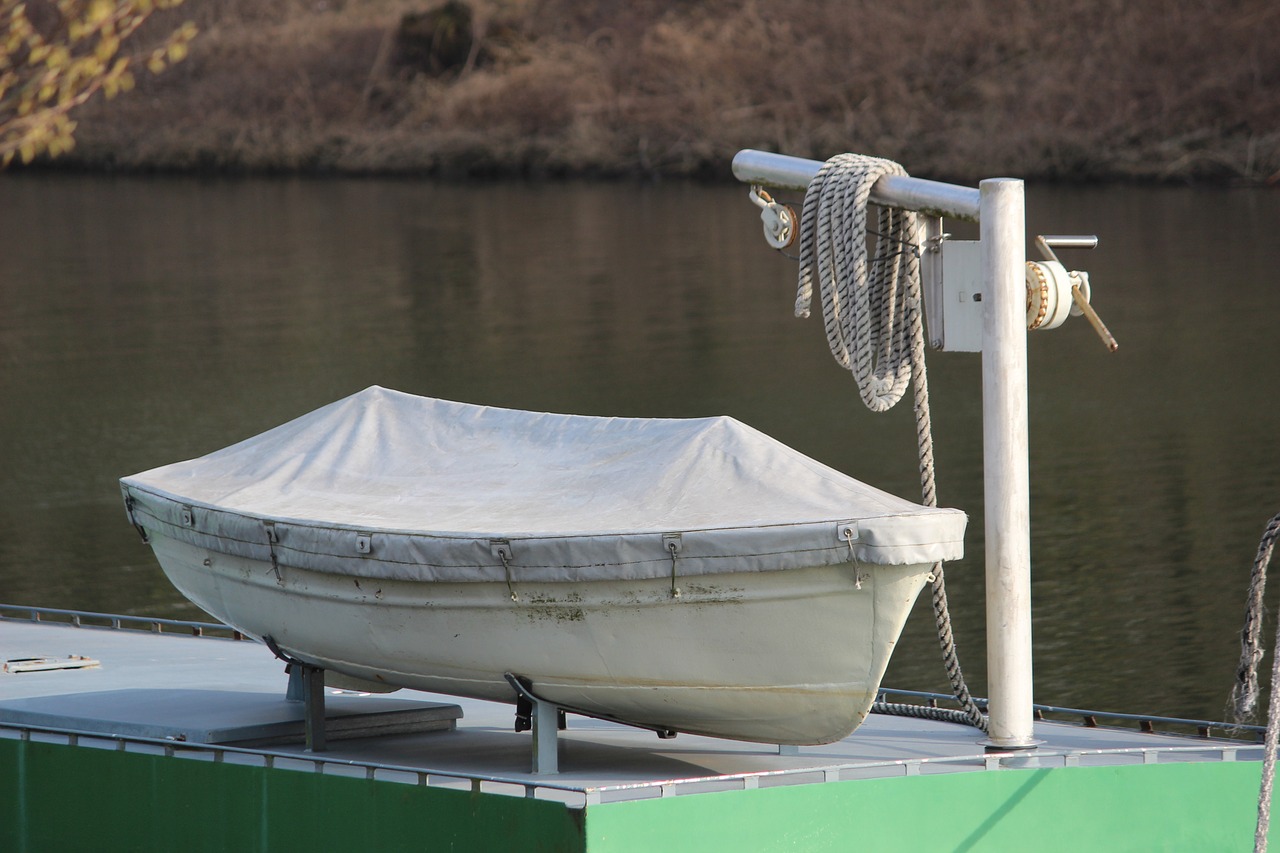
column 185, row 741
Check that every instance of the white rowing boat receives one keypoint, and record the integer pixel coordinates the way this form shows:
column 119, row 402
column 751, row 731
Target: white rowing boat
column 691, row 575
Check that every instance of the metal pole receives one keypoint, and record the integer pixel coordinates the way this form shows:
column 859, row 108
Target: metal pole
column 1006, row 481
column 546, row 743
column 313, row 709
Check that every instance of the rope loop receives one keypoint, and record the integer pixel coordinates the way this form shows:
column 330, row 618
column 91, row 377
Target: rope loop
column 870, row 300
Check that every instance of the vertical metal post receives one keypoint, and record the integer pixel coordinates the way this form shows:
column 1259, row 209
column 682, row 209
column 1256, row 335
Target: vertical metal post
column 1006, row 481
column 297, row 690
column 546, row 740
column 313, row 707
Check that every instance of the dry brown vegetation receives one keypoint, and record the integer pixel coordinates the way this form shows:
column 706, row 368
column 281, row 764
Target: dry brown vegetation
column 1072, row 89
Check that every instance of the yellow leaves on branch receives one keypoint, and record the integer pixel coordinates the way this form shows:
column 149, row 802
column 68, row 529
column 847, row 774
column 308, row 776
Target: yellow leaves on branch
column 57, row 54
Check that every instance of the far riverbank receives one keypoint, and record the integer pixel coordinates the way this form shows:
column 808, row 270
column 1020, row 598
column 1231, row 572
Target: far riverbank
column 1082, row 90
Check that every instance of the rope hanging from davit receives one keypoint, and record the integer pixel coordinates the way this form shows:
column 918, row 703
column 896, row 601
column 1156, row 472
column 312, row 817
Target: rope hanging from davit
column 871, row 309
column 868, row 307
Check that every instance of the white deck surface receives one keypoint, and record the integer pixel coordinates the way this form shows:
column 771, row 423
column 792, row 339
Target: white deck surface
column 147, row 678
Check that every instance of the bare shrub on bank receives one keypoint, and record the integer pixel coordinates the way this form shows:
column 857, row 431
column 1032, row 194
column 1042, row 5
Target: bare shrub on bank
column 1079, row 89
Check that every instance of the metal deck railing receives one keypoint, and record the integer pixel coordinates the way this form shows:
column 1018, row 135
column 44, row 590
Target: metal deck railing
column 578, row 796
column 1145, row 722
column 117, row 621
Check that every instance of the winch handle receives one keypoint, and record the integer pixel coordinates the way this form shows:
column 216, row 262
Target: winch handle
column 1046, row 243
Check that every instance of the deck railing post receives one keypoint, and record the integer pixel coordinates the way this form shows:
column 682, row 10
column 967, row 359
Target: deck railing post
column 1006, row 486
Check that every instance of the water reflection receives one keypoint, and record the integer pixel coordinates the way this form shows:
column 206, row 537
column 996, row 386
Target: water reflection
column 145, row 321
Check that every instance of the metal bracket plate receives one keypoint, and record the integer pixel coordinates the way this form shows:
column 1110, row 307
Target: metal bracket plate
column 951, row 271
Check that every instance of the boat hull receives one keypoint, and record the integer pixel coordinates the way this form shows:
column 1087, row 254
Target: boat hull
column 788, row 657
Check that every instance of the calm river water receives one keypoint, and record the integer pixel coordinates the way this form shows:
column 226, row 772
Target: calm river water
column 143, row 321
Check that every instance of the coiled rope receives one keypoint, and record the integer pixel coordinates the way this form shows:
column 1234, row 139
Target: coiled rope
column 1244, row 695
column 872, row 314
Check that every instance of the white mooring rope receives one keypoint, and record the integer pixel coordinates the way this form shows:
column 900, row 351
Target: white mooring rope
column 867, row 311
column 1244, row 695
column 872, row 313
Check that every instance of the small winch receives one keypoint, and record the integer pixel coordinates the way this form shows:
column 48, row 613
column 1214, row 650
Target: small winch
column 952, row 279
column 1054, row 292
column 953, row 289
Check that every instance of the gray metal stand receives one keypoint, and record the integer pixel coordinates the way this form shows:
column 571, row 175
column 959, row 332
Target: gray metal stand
column 306, row 685
column 546, row 741
column 546, row 719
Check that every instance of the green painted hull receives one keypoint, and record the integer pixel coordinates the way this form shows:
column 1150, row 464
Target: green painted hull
column 1185, row 807
column 64, row 798
column 58, row 797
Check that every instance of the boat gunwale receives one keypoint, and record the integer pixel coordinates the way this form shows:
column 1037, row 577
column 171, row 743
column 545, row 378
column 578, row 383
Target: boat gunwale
column 431, row 556
column 467, row 535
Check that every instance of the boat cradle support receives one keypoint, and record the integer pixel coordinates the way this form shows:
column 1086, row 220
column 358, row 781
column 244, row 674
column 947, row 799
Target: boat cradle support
column 306, row 685
column 547, row 719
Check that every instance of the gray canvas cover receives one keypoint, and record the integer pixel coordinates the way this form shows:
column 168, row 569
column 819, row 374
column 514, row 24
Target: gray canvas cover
column 390, row 485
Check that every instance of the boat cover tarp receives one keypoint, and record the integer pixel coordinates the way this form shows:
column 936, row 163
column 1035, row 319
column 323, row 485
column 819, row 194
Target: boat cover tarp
column 390, row 485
